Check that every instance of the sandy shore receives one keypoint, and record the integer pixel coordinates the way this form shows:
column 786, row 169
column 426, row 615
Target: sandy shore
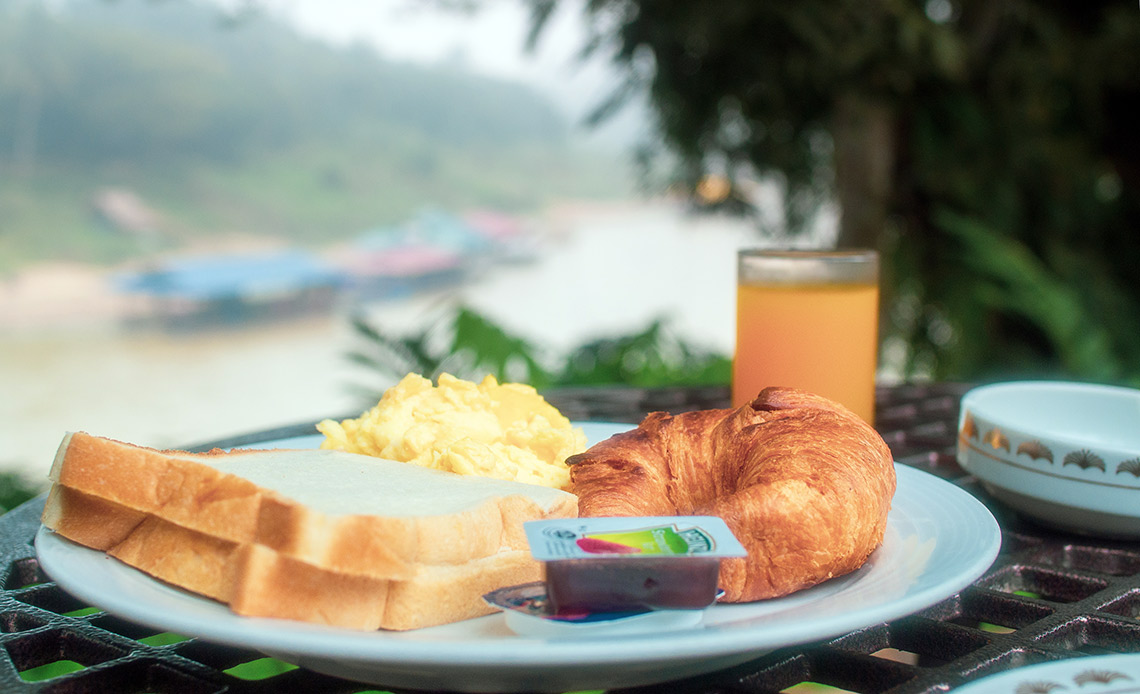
column 60, row 296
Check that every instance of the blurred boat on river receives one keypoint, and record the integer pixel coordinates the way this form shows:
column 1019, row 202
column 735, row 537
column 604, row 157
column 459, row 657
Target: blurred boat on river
column 232, row 289
column 431, row 251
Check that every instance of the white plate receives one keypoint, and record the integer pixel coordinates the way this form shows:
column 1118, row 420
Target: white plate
column 1115, row 674
column 939, row 539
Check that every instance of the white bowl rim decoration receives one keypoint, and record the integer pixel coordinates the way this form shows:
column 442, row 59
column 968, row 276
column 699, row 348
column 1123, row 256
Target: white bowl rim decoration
column 1064, row 452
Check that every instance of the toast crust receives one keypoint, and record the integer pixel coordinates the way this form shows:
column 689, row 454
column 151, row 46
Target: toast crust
column 257, row 581
column 176, row 487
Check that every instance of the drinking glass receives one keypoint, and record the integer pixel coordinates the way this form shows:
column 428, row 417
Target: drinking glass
column 808, row 320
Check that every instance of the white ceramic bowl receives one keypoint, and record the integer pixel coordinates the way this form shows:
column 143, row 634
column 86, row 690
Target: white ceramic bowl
column 1117, row 673
column 1066, row 454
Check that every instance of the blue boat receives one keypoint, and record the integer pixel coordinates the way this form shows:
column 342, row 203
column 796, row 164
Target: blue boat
column 233, row 288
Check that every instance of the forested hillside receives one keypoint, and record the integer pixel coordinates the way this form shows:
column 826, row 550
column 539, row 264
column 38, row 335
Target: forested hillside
column 242, row 126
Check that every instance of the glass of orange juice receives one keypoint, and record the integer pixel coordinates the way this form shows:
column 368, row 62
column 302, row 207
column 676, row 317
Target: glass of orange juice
column 808, row 320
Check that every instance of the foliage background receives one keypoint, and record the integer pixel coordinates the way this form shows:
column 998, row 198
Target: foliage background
column 243, row 128
column 990, row 150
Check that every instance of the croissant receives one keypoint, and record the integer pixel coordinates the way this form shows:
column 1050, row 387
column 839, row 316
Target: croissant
column 802, row 482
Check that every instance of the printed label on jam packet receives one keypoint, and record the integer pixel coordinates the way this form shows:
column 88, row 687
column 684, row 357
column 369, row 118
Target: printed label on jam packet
column 659, row 536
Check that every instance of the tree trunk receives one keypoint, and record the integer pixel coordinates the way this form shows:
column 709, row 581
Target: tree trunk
column 864, row 135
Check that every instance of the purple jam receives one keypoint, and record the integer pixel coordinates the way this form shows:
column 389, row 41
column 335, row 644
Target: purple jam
column 614, row 584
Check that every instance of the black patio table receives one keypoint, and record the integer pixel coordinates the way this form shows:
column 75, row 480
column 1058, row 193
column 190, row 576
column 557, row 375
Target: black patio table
column 1048, row 596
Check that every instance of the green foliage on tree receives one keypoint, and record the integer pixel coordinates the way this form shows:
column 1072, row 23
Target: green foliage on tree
column 469, row 345
column 989, row 149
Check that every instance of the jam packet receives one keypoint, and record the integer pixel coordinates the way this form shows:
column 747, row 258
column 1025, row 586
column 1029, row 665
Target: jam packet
column 528, row 611
column 606, row 565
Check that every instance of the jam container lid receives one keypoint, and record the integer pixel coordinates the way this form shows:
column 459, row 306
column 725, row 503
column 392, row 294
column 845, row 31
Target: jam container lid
column 633, row 537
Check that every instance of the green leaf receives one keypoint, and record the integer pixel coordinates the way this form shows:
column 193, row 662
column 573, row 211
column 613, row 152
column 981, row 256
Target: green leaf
column 478, row 346
column 1010, row 278
column 488, row 348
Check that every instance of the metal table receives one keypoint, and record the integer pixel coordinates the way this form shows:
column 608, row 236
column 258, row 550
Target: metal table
column 1048, row 595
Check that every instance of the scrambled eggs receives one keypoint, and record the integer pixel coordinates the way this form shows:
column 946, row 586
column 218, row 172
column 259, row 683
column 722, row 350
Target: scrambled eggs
column 507, row 431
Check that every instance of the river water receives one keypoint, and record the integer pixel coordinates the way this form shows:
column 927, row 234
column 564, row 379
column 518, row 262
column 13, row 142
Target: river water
column 608, row 271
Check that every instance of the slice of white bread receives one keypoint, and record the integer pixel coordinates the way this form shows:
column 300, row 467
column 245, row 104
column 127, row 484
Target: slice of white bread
column 257, row 581
column 353, row 514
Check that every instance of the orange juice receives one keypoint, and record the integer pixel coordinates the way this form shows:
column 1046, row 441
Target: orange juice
column 818, row 337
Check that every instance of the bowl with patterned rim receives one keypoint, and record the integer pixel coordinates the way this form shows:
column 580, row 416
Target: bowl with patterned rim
column 1066, row 454
column 1098, row 674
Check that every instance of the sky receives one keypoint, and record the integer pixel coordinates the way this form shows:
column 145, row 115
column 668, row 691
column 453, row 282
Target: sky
column 490, row 41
